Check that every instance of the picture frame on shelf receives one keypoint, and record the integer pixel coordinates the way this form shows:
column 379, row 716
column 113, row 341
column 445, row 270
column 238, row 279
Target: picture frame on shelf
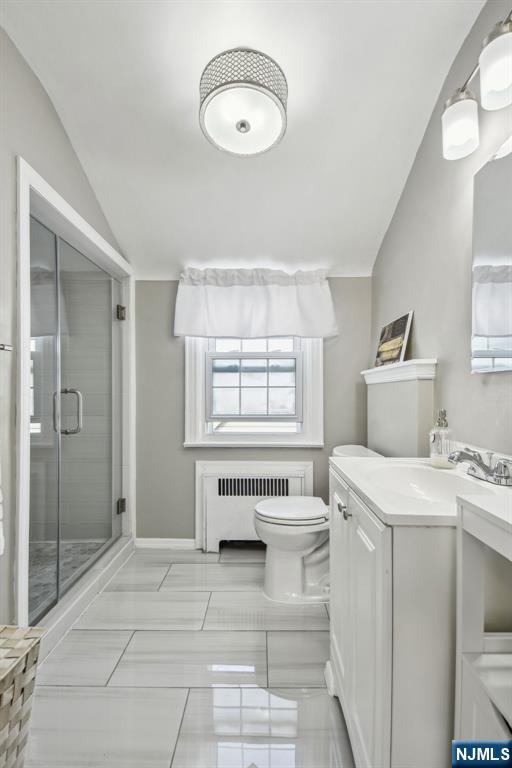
column 393, row 341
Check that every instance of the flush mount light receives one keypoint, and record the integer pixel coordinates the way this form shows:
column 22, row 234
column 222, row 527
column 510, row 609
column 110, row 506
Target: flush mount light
column 460, row 126
column 460, row 116
column 496, row 67
column 243, row 97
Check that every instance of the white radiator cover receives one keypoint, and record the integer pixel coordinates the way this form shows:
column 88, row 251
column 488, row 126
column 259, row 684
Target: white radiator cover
column 227, row 492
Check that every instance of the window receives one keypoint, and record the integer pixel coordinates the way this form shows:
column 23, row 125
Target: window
column 254, row 391
column 254, row 380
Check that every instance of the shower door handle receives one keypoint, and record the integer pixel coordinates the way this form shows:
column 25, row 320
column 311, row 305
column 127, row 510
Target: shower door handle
column 56, row 412
column 79, row 411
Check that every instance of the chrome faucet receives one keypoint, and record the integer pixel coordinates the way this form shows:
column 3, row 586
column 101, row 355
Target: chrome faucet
column 498, row 473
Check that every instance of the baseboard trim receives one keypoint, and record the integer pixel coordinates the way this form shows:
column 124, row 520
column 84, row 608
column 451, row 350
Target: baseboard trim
column 141, row 543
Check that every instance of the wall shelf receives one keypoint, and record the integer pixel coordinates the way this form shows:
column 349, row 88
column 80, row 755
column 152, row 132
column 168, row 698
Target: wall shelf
column 408, row 370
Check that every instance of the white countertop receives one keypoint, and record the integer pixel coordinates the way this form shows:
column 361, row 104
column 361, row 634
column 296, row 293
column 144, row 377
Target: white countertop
column 411, row 492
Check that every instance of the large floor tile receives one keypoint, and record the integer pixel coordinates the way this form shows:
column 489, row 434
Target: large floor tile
column 104, row 727
column 250, row 610
column 168, row 556
column 84, row 657
column 242, row 553
column 193, row 659
column 238, row 728
column 214, row 577
column 145, row 610
column 297, row 659
column 138, row 577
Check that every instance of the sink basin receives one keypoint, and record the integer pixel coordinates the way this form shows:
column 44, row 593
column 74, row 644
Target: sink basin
column 422, row 482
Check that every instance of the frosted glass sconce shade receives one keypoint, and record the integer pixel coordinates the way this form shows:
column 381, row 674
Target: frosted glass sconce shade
column 460, row 126
column 496, row 68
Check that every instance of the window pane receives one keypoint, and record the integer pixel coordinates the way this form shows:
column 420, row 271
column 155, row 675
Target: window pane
column 254, row 345
column 228, row 345
column 281, row 400
column 254, row 401
column 225, row 402
column 282, row 372
column 225, row 373
column 280, row 345
column 254, row 373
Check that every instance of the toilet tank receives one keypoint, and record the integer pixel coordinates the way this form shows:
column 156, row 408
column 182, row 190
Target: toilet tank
column 354, row 450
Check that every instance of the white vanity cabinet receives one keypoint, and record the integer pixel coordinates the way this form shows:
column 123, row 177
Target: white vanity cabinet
column 392, row 634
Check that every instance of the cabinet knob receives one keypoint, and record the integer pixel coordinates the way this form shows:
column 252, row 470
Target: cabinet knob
column 343, row 509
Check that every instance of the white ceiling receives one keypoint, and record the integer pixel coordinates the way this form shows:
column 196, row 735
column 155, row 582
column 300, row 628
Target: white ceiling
column 363, row 77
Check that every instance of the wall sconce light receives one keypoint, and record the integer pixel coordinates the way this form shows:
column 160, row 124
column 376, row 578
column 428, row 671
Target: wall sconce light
column 460, row 116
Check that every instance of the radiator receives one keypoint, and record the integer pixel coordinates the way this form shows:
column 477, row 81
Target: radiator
column 227, row 492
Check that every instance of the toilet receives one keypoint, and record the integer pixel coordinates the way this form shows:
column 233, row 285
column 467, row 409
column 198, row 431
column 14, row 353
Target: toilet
column 296, row 532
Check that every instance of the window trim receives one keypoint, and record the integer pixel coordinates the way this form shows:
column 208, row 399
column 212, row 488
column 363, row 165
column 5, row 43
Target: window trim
column 196, row 435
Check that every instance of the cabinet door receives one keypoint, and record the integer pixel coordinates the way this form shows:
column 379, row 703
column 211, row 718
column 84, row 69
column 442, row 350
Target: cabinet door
column 340, row 586
column 370, row 673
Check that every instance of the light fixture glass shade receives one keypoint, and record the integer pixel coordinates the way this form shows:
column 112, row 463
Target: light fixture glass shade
column 496, row 68
column 243, row 96
column 460, row 126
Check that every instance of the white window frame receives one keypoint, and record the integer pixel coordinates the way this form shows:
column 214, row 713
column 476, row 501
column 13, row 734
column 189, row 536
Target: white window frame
column 312, row 432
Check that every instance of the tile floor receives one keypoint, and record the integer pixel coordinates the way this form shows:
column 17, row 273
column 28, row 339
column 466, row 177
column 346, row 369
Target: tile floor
column 181, row 662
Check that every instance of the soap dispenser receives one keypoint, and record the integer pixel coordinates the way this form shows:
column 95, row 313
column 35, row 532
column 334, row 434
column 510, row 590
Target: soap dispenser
column 441, row 442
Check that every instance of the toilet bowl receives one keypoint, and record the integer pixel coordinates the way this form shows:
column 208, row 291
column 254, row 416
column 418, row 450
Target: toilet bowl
column 296, row 532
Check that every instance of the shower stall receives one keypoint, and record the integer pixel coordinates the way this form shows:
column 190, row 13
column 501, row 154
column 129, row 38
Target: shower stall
column 75, row 416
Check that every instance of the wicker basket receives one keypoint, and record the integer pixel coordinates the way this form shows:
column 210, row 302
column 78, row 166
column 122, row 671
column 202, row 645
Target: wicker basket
column 19, row 649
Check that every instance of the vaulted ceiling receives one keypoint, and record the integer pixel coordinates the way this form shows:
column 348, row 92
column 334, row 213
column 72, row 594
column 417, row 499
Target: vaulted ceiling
column 363, row 78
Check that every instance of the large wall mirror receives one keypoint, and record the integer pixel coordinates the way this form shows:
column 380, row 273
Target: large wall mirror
column 491, row 334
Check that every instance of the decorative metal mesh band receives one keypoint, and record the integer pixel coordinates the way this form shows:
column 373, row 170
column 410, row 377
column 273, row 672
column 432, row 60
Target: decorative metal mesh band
column 244, row 66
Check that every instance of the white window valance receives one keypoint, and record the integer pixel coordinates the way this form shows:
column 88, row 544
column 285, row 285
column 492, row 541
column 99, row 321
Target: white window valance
column 492, row 300
column 254, row 303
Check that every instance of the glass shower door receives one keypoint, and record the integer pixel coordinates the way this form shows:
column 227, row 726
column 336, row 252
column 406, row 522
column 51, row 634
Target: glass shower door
column 89, row 463
column 75, row 429
column 44, row 439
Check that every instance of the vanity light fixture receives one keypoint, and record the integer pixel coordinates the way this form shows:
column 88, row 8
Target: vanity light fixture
column 460, row 116
column 243, row 96
column 496, row 67
column 460, row 125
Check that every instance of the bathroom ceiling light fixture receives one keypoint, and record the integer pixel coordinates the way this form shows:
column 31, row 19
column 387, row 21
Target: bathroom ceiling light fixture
column 460, row 116
column 243, row 96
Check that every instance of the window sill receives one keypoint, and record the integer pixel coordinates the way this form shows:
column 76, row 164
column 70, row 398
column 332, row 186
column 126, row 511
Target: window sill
column 230, row 443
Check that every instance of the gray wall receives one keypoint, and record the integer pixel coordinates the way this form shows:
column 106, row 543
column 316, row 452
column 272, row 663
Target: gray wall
column 425, row 261
column 30, row 127
column 165, row 470
column 400, row 417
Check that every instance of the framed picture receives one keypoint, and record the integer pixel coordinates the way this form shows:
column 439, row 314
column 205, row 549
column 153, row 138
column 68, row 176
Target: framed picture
column 393, row 340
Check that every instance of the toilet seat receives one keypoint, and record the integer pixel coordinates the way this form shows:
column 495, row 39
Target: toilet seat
column 293, row 510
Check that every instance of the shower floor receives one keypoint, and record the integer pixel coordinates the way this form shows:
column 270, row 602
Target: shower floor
column 43, row 568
